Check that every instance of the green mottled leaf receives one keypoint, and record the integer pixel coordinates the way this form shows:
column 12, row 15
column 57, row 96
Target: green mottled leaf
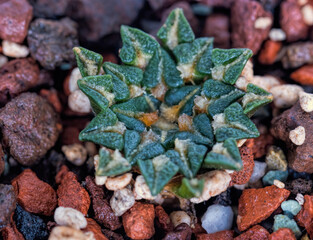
column 136, row 106
column 149, row 151
column 190, row 188
column 176, row 30
column 188, row 156
column 131, row 141
column 193, row 137
column 161, row 68
column 128, row 74
column 203, row 125
column 176, row 95
column 88, row 62
column 111, row 164
column 229, row 63
column 255, row 98
column 122, row 76
column 234, row 124
column 98, row 90
column 224, row 156
column 157, row 172
column 138, row 47
column 105, row 130
column 194, row 59
column 131, row 123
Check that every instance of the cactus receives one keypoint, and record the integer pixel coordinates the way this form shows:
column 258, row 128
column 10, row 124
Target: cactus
column 170, row 108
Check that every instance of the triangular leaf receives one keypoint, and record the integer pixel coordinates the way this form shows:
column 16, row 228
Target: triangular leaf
column 203, row 125
column 176, row 30
column 138, row 47
column 224, row 156
column 88, row 62
column 131, row 141
column 190, row 188
column 229, row 63
column 255, row 98
column 148, row 151
column 98, row 90
column 111, row 164
column 194, row 59
column 233, row 123
column 157, row 172
column 131, row 123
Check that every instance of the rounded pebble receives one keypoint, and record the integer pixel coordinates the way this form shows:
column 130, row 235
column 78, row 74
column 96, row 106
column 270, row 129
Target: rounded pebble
column 65, row 216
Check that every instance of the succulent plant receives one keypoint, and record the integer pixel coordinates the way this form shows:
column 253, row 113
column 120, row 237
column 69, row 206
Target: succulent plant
column 170, row 108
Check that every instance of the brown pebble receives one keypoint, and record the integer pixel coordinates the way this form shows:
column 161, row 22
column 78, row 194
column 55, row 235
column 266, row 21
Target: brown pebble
column 34, row 195
column 17, row 76
column 138, row 222
column 182, row 231
column 298, row 54
column 255, row 233
column 163, row 220
column 299, row 156
column 244, row 15
column 93, row 226
column 11, row 232
column 283, row 234
column 255, row 205
column 243, row 176
column 7, row 204
column 291, row 21
column 52, row 97
column 220, row 31
column 61, row 174
column 14, row 20
column 72, row 194
column 222, row 235
column 104, row 214
column 30, row 127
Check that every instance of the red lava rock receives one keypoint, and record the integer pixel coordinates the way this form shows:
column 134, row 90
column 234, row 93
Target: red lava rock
column 11, row 233
column 103, row 17
column 220, row 31
column 17, row 76
column 303, row 75
column 92, row 226
column 305, row 216
column 2, row 163
column 255, row 233
column 299, row 157
column 269, row 52
column 260, row 144
column 104, row 214
column 14, row 19
column 243, row 176
column 61, row 174
column 291, row 21
column 7, row 204
column 255, row 205
column 243, row 17
column 34, row 195
column 198, row 229
column 182, row 232
column 163, row 219
column 222, row 235
column 30, row 127
column 283, row 234
column 298, row 54
column 138, row 222
column 72, row 194
column 52, row 97
column 51, row 41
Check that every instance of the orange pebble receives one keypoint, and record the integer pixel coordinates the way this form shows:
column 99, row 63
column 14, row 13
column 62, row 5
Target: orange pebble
column 149, row 118
column 269, row 52
column 305, row 216
column 222, row 235
column 283, row 234
column 303, row 75
column 256, row 233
